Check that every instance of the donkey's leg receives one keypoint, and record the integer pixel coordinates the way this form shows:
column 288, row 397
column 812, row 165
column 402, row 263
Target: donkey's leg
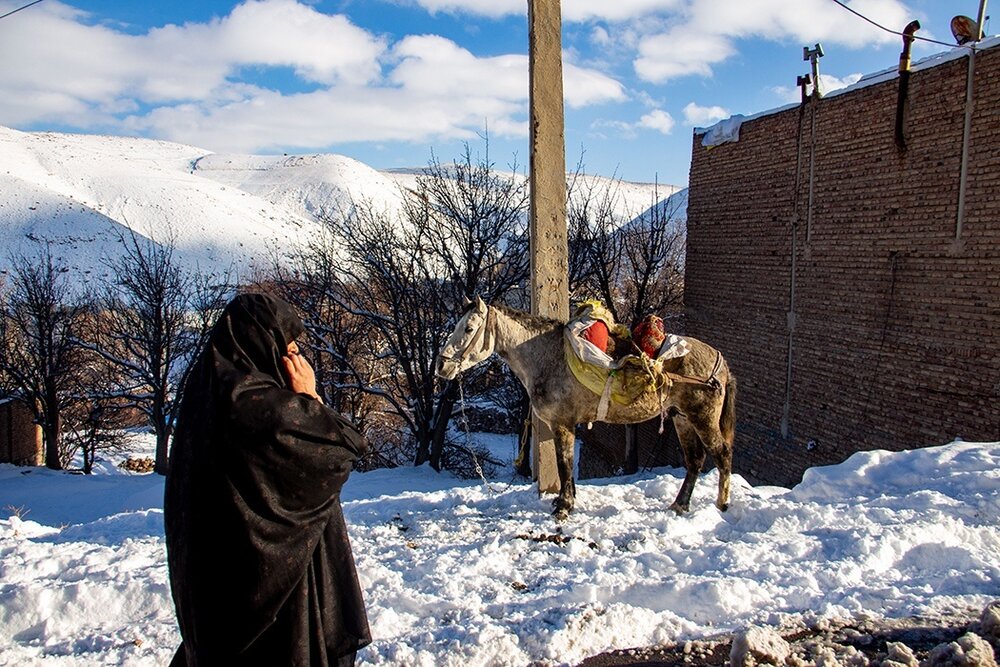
column 722, row 454
column 694, row 459
column 724, row 462
column 563, row 504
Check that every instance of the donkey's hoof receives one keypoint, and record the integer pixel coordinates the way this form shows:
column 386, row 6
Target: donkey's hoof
column 723, row 507
column 561, row 509
column 680, row 509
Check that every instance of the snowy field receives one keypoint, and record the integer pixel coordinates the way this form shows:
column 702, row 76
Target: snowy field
column 458, row 574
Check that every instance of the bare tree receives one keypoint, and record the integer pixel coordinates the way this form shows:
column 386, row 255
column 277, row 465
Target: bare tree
column 97, row 422
column 400, row 284
column 594, row 253
column 336, row 339
column 152, row 319
column 8, row 388
column 39, row 322
column 652, row 278
column 633, row 263
column 475, row 219
column 386, row 283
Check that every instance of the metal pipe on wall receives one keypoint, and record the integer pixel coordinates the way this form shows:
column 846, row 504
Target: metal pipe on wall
column 904, row 82
column 786, row 412
column 814, row 109
column 963, row 176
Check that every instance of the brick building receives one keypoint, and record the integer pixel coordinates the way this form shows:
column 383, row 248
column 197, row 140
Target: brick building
column 857, row 305
column 20, row 436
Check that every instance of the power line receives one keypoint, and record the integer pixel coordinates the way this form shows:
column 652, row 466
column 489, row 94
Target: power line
column 896, row 32
column 20, row 8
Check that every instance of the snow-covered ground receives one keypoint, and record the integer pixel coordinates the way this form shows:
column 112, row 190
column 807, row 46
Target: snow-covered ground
column 458, row 574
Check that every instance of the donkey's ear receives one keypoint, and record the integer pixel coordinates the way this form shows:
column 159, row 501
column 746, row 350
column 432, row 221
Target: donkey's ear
column 466, row 302
column 480, row 304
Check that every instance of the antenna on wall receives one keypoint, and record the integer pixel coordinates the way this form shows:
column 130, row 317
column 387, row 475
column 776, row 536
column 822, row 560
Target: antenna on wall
column 966, row 30
column 813, row 55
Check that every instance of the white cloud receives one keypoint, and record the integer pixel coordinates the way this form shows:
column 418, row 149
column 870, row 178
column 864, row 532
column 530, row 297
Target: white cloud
column 53, row 50
column 688, row 37
column 184, row 82
column 700, row 116
column 572, row 10
column 600, row 37
column 800, row 20
column 489, row 8
column 583, row 87
column 270, row 120
column 320, row 47
column 434, row 65
column 680, row 52
column 710, row 29
column 616, row 10
column 827, row 84
column 658, row 120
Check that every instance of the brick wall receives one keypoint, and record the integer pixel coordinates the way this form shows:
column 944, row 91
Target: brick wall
column 602, row 448
column 896, row 325
column 20, row 437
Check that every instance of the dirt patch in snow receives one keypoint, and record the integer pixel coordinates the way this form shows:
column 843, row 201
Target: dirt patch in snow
column 929, row 641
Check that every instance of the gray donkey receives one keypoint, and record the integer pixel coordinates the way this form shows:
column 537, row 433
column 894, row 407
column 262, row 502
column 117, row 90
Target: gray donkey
column 701, row 400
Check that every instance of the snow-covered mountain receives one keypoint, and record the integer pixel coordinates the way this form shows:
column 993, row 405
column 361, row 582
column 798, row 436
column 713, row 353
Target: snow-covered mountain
column 79, row 193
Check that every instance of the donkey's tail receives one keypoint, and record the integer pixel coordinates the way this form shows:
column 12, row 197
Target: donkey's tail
column 727, row 422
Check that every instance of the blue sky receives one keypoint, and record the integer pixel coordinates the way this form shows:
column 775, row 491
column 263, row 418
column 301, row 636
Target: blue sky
column 389, row 81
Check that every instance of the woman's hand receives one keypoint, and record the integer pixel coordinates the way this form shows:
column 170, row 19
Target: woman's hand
column 301, row 377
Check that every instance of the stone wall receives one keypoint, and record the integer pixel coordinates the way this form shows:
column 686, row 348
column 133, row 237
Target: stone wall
column 886, row 325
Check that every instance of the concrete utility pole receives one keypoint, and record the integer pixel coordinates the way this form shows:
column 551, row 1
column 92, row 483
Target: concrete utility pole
column 549, row 249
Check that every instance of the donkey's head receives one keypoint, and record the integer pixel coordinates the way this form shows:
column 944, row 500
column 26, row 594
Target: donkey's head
column 469, row 344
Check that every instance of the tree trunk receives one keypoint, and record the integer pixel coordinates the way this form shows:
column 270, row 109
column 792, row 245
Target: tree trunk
column 442, row 415
column 161, row 463
column 423, row 446
column 50, row 430
column 88, row 456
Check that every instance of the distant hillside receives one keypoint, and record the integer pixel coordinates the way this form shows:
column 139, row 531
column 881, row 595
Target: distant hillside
column 80, row 192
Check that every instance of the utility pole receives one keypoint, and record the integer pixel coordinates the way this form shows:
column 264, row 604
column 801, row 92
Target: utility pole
column 549, row 244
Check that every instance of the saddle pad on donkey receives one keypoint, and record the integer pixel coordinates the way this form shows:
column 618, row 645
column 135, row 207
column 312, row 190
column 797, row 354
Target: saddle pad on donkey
column 621, row 380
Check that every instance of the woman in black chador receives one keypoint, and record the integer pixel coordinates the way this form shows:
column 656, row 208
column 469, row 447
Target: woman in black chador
column 261, row 569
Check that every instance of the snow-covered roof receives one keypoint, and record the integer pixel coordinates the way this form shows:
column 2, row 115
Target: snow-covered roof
column 724, row 127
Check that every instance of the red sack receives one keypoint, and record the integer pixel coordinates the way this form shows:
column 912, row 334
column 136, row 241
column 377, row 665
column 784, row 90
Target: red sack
column 649, row 335
column 597, row 333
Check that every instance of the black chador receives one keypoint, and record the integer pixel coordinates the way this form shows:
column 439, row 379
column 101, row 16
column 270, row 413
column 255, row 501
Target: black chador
column 261, row 569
